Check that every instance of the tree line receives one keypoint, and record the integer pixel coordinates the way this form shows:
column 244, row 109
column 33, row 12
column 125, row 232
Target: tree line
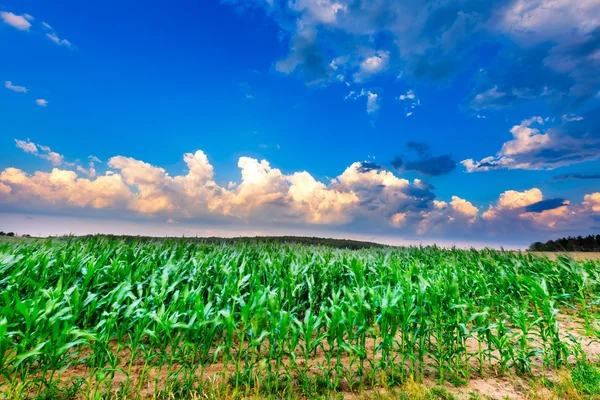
column 571, row 243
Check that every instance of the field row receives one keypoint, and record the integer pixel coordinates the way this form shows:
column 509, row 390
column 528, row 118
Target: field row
column 85, row 318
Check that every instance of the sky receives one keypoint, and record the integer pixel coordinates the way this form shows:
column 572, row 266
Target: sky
column 468, row 122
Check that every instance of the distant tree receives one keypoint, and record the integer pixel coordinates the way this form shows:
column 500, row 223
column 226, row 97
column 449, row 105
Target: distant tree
column 2, row 233
column 26, row 236
column 579, row 243
column 10, row 234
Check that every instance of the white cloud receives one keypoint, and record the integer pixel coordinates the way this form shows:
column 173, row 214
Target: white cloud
column 372, row 102
column 592, row 202
column 410, row 95
column 60, row 42
column 19, row 89
column 372, row 66
column 26, row 146
column 372, row 198
column 324, row 11
column 412, row 100
column 533, row 150
column 17, row 21
column 512, row 199
column 91, row 169
column 41, row 102
column 490, row 98
column 40, row 151
column 534, row 21
column 526, row 138
column 373, row 99
column 572, row 117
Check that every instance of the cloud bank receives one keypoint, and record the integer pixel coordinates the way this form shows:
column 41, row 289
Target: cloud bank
column 364, row 196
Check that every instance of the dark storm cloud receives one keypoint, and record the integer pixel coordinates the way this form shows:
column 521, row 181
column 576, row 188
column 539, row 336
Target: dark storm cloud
column 544, row 205
column 576, row 177
column 397, row 163
column 367, row 166
column 432, row 166
column 421, row 148
column 427, row 164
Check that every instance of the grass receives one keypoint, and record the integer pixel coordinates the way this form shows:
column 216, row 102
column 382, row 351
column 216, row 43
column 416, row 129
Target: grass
column 111, row 318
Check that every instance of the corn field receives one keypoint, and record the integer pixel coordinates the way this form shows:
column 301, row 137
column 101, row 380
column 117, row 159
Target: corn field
column 95, row 318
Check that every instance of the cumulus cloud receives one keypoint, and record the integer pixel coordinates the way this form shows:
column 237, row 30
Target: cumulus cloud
column 427, row 164
column 41, row 102
column 568, row 142
column 19, row 89
column 364, row 195
column 528, row 211
column 592, row 202
column 20, row 22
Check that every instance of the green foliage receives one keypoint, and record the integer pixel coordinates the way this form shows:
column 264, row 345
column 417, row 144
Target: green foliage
column 439, row 393
column 586, row 378
column 275, row 318
column 571, row 243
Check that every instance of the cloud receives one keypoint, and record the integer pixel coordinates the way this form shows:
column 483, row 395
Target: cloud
column 23, row 22
column 410, row 95
column 592, row 202
column 576, row 177
column 432, row 166
column 422, row 149
column 53, row 36
column 41, row 102
column 26, row 146
column 544, row 205
column 373, row 99
column 363, row 196
column 20, row 22
column 372, row 102
column 91, row 169
column 412, row 100
column 40, row 151
column 567, row 142
column 58, row 41
column 427, row 164
column 491, row 98
column 528, row 211
column 367, row 166
column 373, row 65
column 19, row 89
column 518, row 51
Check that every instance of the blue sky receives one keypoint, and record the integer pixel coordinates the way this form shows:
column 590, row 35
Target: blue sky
column 465, row 115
